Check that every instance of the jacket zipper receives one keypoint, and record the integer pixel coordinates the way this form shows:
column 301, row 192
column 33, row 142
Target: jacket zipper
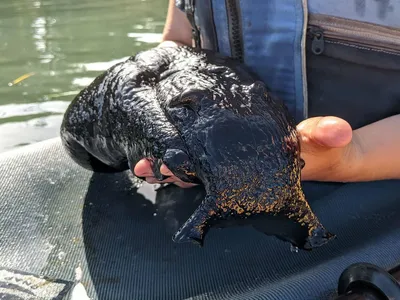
column 235, row 28
column 327, row 29
column 189, row 8
column 318, row 41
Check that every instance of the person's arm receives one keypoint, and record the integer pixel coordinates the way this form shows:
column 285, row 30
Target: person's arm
column 379, row 148
column 177, row 29
column 333, row 152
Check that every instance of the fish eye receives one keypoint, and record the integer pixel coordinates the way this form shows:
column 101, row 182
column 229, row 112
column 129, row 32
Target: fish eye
column 188, row 100
column 181, row 101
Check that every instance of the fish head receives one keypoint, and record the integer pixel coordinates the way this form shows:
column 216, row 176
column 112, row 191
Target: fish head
column 236, row 135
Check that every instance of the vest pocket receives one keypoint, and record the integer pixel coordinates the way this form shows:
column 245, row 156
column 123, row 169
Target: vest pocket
column 353, row 70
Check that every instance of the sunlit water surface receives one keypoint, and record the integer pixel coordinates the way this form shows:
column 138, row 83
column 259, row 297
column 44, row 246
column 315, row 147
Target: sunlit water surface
column 58, row 47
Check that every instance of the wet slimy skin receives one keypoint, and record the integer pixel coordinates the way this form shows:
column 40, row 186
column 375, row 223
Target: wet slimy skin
column 210, row 121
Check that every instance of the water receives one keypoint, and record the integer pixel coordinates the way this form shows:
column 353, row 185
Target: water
column 60, row 46
column 294, row 249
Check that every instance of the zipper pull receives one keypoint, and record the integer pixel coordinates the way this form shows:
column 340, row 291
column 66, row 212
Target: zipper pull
column 318, row 43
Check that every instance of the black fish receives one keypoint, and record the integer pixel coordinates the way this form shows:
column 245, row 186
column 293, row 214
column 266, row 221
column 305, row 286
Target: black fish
column 210, row 121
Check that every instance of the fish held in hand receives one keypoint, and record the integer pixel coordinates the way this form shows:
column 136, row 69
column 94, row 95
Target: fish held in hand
column 210, row 121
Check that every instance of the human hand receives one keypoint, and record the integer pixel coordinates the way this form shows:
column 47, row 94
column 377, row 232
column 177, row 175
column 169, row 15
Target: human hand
column 143, row 169
column 327, row 146
column 329, row 149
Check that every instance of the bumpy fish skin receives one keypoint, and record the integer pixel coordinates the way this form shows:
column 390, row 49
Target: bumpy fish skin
column 211, row 121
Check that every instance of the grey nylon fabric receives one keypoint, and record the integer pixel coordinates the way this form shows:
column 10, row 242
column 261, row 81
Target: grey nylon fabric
column 55, row 215
column 381, row 12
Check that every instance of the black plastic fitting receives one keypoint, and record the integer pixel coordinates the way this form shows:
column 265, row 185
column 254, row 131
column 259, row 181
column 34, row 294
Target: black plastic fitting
column 365, row 281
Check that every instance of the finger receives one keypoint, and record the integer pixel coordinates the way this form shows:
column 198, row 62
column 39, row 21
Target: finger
column 174, row 180
column 182, row 184
column 143, row 168
column 165, row 171
column 152, row 180
column 331, row 132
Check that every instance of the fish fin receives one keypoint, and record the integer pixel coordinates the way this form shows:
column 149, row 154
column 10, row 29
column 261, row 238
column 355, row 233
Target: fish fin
column 293, row 221
column 196, row 227
column 282, row 228
column 299, row 211
column 180, row 165
column 319, row 236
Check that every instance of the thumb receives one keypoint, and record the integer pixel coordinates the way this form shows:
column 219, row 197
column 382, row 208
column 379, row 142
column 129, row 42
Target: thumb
column 324, row 132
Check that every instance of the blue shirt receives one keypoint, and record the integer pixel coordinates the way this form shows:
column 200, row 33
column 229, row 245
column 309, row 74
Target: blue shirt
column 270, row 37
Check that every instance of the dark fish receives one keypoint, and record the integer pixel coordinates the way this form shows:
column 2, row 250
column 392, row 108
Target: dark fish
column 210, row 121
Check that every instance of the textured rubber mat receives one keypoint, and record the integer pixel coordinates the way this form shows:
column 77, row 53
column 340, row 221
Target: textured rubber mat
column 56, row 216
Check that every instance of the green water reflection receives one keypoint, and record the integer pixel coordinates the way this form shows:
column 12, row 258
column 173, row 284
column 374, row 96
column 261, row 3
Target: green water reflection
column 65, row 43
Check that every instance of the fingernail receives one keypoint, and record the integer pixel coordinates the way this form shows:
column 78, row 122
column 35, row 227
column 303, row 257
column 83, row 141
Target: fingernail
column 300, row 126
column 327, row 122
